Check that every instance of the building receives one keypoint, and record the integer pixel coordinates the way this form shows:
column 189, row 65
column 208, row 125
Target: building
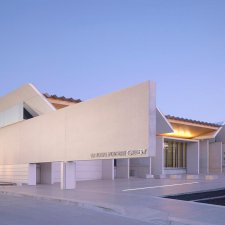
column 32, row 126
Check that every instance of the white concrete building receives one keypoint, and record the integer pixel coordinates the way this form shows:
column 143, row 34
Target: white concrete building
column 45, row 139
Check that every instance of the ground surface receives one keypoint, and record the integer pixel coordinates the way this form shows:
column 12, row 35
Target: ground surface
column 30, row 211
column 137, row 199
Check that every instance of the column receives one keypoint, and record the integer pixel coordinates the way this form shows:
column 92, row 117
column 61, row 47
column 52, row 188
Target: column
column 204, row 156
column 68, row 180
column 108, row 169
column 32, row 174
column 158, row 161
column 193, row 158
column 215, row 157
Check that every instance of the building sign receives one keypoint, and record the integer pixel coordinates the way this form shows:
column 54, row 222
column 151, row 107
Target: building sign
column 123, row 154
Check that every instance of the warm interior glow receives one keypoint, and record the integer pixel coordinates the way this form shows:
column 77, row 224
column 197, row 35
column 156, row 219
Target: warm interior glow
column 180, row 133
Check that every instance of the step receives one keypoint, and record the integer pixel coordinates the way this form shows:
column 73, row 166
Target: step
column 161, row 176
column 192, row 177
column 211, row 177
column 176, row 176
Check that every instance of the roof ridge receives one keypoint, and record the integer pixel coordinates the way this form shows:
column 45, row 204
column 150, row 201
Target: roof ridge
column 47, row 95
column 193, row 121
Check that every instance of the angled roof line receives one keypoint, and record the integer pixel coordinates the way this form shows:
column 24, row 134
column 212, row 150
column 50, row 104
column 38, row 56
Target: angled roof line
column 193, row 121
column 63, row 98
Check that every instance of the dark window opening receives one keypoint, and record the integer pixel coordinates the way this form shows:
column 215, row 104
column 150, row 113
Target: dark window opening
column 26, row 114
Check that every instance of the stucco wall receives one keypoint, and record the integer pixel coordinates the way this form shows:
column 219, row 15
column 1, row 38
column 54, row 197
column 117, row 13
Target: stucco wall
column 11, row 115
column 121, row 121
column 14, row 173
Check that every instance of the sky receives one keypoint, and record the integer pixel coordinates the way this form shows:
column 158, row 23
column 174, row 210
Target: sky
column 88, row 48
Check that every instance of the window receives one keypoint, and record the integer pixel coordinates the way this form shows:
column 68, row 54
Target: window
column 26, row 114
column 175, row 154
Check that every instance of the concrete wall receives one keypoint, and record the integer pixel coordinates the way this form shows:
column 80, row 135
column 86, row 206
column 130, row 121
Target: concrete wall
column 115, row 124
column 46, row 176
column 108, row 169
column 122, row 168
column 85, row 170
column 89, row 170
column 14, row 173
column 158, row 160
column 140, row 167
column 193, row 158
column 215, row 157
column 11, row 115
column 204, row 156
column 162, row 124
column 220, row 137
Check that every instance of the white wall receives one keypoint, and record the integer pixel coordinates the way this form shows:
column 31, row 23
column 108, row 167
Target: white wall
column 193, row 158
column 117, row 122
column 158, row 160
column 11, row 115
column 215, row 157
column 204, row 156
column 14, row 173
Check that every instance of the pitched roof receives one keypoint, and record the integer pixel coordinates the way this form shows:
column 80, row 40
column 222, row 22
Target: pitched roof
column 63, row 98
column 193, row 121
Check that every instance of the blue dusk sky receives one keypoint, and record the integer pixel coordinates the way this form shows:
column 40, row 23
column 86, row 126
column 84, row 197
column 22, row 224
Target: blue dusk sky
column 87, row 48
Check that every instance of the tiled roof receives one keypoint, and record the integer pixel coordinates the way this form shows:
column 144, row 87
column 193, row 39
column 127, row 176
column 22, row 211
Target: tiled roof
column 193, row 121
column 63, row 98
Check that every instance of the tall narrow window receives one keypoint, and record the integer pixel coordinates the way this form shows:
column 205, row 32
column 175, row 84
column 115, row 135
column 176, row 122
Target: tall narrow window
column 175, row 154
column 26, row 114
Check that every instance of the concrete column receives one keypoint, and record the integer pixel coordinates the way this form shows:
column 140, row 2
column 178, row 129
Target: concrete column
column 193, row 158
column 32, row 174
column 68, row 180
column 108, row 169
column 122, row 168
column 158, row 160
column 204, row 156
column 215, row 157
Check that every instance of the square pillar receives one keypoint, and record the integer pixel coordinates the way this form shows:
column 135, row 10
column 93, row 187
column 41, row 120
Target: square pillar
column 32, row 174
column 193, row 158
column 158, row 160
column 108, row 169
column 204, row 156
column 68, row 180
column 216, row 157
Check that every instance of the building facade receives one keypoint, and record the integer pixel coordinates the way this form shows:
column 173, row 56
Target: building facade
column 177, row 146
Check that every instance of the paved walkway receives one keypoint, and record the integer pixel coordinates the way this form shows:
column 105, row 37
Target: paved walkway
column 136, row 198
column 30, row 211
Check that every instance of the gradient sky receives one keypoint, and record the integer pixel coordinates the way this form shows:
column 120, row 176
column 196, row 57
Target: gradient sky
column 86, row 48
